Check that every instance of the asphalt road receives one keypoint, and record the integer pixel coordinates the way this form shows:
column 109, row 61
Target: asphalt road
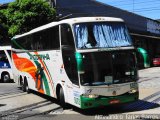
column 15, row 104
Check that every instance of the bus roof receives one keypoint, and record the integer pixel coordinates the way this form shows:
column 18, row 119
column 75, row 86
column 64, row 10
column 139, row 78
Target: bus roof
column 5, row 47
column 71, row 21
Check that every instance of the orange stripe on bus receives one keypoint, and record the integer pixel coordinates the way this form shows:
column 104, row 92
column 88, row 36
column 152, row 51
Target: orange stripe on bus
column 25, row 65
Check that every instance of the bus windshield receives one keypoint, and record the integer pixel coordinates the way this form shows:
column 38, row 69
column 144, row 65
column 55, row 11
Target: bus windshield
column 102, row 68
column 101, row 35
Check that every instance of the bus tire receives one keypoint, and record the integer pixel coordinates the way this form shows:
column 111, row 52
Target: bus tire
column 25, row 86
column 5, row 77
column 62, row 98
column 20, row 81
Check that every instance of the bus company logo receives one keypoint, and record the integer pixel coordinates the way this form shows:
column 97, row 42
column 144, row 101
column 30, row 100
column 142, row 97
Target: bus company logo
column 89, row 91
column 42, row 57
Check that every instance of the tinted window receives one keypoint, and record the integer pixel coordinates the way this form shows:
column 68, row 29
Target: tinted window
column 22, row 43
column 101, row 68
column 70, row 66
column 4, row 63
column 3, row 57
column 43, row 40
column 9, row 52
column 46, row 39
column 66, row 35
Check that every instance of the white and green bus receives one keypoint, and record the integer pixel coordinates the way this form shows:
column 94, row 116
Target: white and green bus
column 86, row 62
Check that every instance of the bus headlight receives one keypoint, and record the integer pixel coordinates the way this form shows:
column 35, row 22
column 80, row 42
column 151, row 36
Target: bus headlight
column 90, row 95
column 132, row 91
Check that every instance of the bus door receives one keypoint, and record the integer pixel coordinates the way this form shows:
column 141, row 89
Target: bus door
column 69, row 61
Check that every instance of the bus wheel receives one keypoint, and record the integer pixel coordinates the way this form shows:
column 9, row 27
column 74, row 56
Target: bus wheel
column 61, row 98
column 25, row 87
column 5, row 77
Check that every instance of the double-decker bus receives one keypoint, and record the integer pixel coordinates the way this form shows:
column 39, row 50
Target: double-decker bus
column 86, row 62
column 6, row 74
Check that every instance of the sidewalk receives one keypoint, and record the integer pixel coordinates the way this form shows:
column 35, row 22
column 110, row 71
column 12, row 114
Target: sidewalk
column 149, row 85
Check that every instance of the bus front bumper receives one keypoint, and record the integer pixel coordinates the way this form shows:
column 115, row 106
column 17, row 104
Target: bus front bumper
column 106, row 101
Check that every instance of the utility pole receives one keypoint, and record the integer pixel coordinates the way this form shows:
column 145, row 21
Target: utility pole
column 133, row 6
column 52, row 3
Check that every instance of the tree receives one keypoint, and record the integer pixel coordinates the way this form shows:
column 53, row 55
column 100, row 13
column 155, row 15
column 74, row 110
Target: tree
column 3, row 28
column 24, row 15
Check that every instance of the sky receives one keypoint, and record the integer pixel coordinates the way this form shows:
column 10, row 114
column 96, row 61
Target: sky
column 147, row 8
column 5, row 1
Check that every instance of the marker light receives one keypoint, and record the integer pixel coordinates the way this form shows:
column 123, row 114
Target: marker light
column 132, row 91
column 90, row 95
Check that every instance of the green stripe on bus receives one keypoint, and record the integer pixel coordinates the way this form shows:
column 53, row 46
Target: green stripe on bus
column 17, row 44
column 48, row 70
column 46, row 85
column 52, row 85
column 44, row 78
column 79, row 60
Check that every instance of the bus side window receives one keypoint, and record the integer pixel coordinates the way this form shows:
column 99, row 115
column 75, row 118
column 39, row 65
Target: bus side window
column 4, row 63
column 3, row 57
column 47, row 39
column 54, row 41
column 37, row 45
column 66, row 35
column 24, row 43
column 9, row 52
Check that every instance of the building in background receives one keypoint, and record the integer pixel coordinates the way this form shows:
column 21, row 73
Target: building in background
column 3, row 6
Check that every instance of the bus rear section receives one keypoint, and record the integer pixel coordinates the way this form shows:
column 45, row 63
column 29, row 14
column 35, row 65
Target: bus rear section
column 6, row 74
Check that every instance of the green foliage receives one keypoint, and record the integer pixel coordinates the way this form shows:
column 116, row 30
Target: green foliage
column 24, row 15
column 3, row 27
